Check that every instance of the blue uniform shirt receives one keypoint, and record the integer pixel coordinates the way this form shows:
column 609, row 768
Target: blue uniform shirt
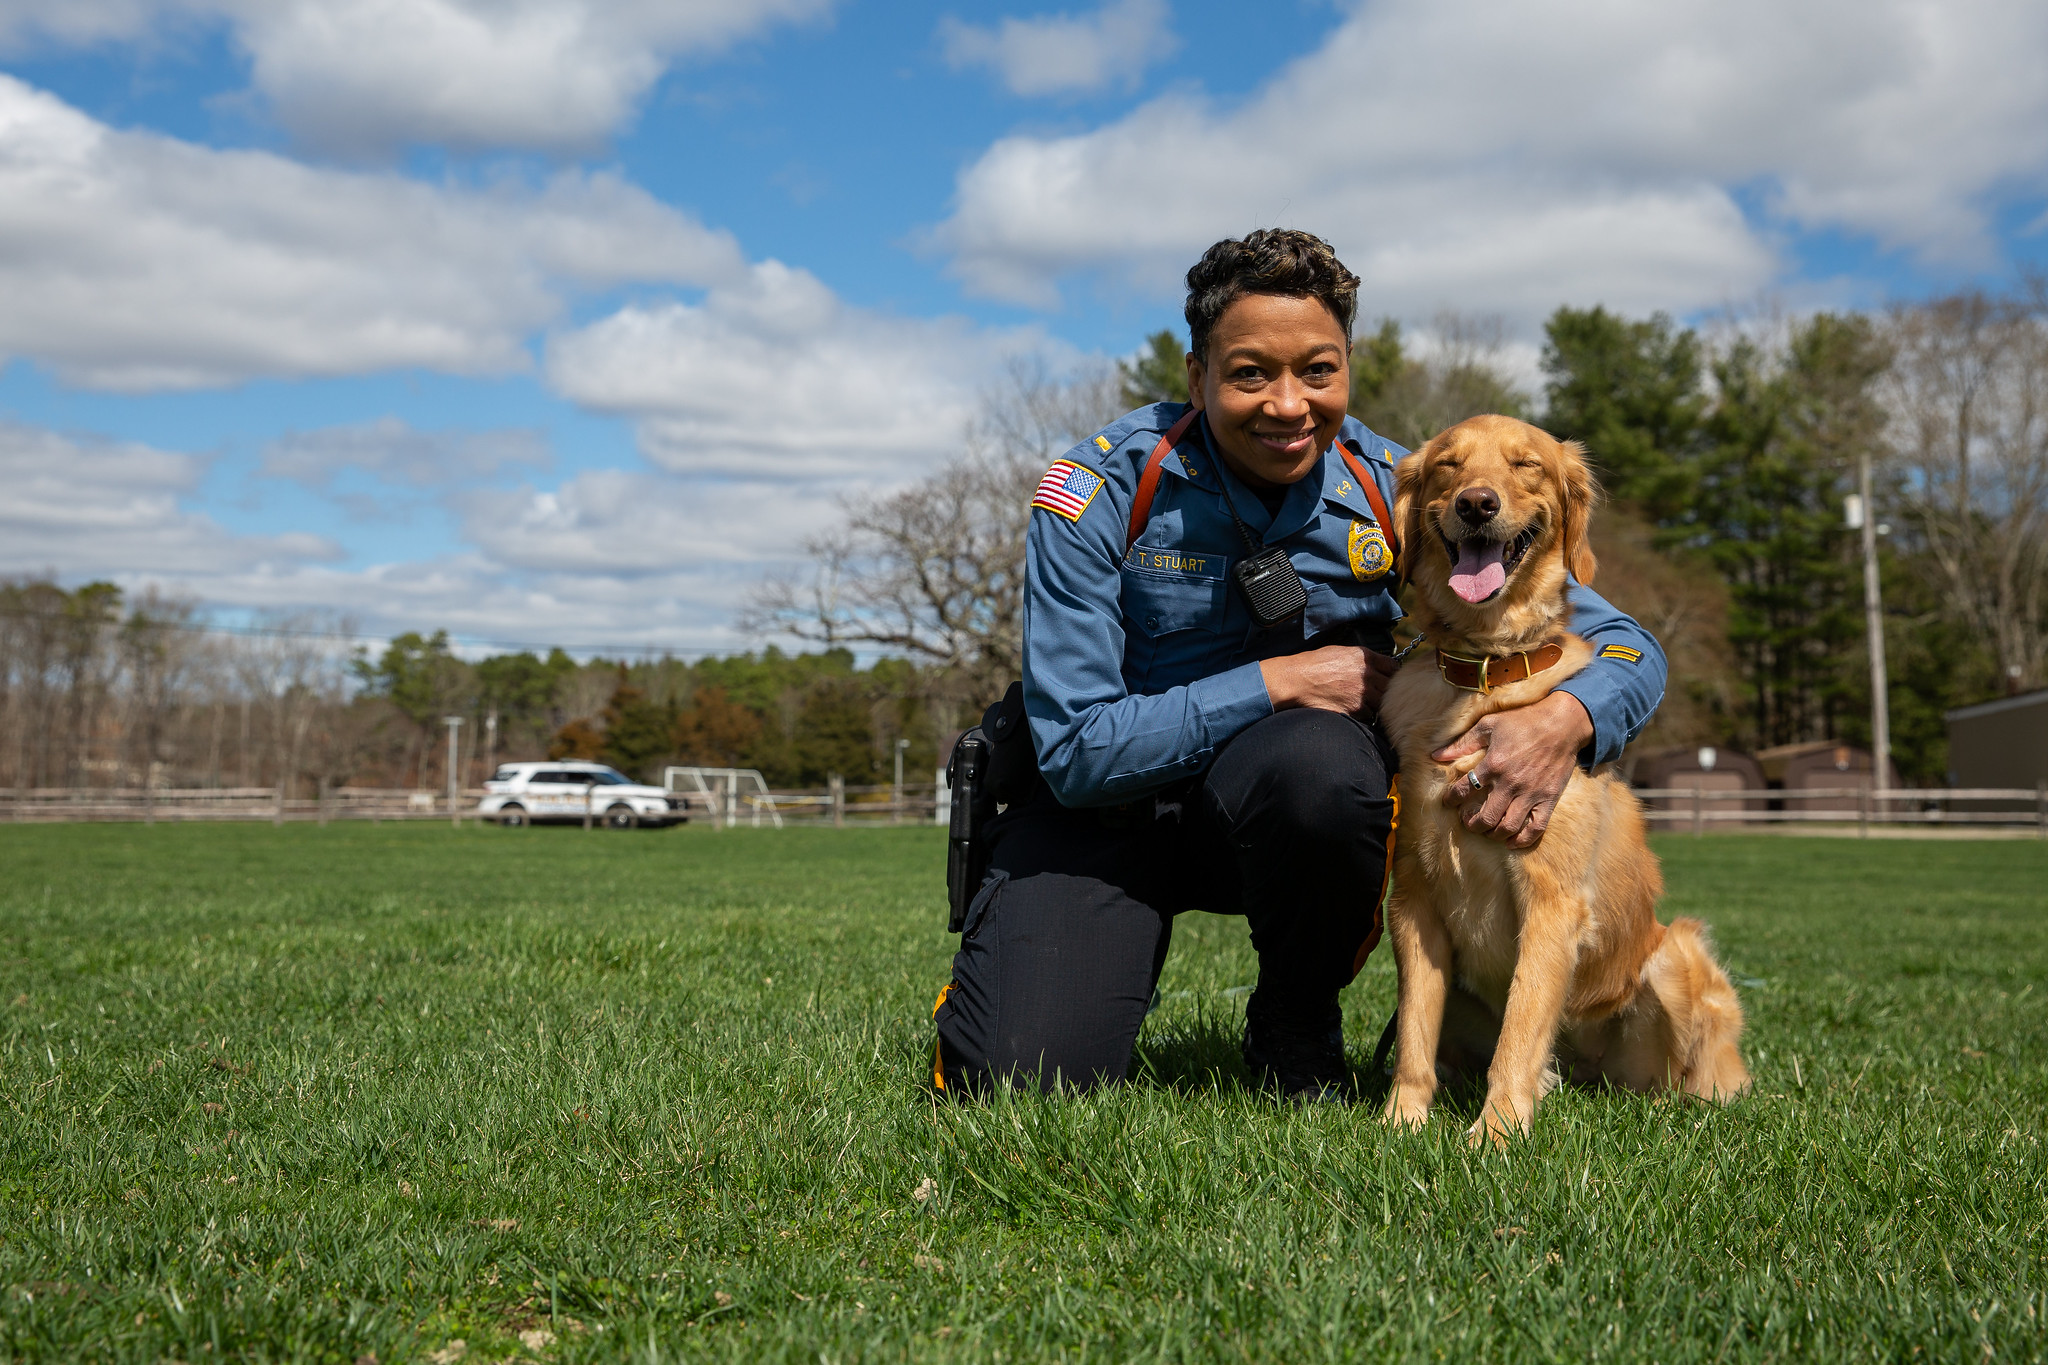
column 1140, row 664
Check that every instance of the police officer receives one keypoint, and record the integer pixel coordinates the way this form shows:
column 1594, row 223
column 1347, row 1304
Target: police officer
column 1198, row 749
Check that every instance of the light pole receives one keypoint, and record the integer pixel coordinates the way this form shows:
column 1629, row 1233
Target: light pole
column 896, row 798
column 454, row 724
column 1861, row 517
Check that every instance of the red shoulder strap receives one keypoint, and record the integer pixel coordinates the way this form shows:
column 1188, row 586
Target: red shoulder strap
column 1371, row 488
column 1148, row 482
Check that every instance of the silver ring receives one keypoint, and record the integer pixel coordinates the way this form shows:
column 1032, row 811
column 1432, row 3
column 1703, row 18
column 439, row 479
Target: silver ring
column 1473, row 778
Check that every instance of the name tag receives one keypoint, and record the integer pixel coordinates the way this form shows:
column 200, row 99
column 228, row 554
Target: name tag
column 1189, row 564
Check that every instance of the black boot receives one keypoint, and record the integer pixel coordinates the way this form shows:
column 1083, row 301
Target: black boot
column 1297, row 1047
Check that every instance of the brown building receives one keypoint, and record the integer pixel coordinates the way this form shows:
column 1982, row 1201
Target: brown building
column 1709, row 769
column 2001, row 743
column 1820, row 764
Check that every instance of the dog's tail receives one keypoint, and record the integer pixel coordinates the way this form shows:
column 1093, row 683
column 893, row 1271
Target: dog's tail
column 1703, row 1013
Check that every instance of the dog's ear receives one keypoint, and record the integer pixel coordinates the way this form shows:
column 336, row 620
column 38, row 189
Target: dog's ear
column 1408, row 504
column 1578, row 492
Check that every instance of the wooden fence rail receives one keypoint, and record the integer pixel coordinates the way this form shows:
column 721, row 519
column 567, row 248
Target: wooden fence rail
column 1697, row 807
column 37, row 805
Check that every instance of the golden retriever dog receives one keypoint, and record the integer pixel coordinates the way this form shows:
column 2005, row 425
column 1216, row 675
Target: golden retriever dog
column 1546, row 963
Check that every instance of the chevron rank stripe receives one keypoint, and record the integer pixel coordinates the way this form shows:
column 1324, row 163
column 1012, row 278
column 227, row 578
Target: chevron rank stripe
column 1634, row 656
column 1067, row 489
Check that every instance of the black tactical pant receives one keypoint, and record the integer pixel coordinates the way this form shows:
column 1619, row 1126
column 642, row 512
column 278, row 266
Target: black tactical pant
column 1064, row 941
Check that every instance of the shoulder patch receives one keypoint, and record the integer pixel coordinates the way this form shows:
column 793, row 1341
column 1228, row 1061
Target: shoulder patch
column 1067, row 489
column 1622, row 652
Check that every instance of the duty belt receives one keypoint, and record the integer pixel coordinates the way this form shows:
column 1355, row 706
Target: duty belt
column 1141, row 811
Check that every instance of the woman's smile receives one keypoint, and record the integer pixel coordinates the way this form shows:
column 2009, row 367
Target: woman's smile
column 1286, row 442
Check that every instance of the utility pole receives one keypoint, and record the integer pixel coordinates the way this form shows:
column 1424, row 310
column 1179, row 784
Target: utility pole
column 1862, row 516
column 896, row 797
column 454, row 724
column 491, row 741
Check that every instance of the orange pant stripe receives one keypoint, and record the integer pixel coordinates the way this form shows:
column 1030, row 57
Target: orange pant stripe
column 938, row 1062
column 1379, row 914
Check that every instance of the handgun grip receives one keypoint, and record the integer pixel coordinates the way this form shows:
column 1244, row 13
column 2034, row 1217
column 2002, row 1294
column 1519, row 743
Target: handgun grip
column 965, row 773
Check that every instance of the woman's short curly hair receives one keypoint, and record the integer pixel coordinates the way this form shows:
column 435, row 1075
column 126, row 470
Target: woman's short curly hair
column 1270, row 261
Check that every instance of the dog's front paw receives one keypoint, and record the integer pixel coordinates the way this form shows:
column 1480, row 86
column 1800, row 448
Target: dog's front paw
column 1502, row 1121
column 1407, row 1108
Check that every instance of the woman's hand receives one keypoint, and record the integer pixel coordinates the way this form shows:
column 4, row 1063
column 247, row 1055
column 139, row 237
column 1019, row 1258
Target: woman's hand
column 1529, row 756
column 1335, row 678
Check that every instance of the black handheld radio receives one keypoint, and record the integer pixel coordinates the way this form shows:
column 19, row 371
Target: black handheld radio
column 1270, row 585
column 1266, row 578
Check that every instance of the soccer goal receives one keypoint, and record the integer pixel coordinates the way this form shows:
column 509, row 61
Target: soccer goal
column 721, row 790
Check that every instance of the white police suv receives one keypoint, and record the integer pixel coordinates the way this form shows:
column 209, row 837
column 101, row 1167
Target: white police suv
column 567, row 790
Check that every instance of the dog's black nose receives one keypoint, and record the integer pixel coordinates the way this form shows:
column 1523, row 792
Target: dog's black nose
column 1477, row 506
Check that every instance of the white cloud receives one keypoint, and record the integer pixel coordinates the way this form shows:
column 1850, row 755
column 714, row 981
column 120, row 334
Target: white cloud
column 79, row 22
column 629, row 523
column 391, row 449
column 365, row 76
column 362, row 75
column 1063, row 54
column 135, row 261
column 689, row 608
column 86, row 506
column 609, row 558
column 1493, row 154
column 776, row 375
column 758, row 408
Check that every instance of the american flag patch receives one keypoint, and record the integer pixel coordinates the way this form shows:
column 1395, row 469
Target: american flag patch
column 1634, row 656
column 1067, row 489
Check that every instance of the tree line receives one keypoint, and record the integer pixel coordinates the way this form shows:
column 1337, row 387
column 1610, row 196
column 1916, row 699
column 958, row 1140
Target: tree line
column 97, row 691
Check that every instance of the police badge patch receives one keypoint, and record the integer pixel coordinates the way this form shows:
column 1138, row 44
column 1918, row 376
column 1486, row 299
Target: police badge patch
column 1370, row 557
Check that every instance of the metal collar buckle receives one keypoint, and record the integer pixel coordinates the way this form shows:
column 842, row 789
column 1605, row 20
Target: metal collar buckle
column 1481, row 666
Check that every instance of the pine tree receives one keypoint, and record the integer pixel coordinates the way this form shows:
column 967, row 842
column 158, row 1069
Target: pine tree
column 1158, row 374
column 637, row 732
column 1631, row 392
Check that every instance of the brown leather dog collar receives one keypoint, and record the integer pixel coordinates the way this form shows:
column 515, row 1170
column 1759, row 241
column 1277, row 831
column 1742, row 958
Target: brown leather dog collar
column 1496, row 670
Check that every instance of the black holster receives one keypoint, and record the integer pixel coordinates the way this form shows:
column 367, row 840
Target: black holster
column 992, row 766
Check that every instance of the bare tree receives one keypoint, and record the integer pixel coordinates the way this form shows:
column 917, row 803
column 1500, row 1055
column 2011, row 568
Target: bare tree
column 87, row 664
column 1968, row 394
column 581, row 695
column 157, row 654
column 1684, row 603
column 340, row 739
column 935, row 572
column 32, row 613
column 294, row 668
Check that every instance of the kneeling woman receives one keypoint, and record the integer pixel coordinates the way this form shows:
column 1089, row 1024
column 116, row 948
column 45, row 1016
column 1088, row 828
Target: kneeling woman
column 1207, row 629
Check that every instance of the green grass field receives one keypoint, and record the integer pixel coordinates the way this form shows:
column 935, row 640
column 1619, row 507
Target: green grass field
column 322, row 1094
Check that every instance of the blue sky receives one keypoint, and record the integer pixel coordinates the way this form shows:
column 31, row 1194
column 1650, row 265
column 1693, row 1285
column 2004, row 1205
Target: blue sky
column 570, row 319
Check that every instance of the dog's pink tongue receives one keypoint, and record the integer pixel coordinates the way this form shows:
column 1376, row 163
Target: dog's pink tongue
column 1478, row 573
